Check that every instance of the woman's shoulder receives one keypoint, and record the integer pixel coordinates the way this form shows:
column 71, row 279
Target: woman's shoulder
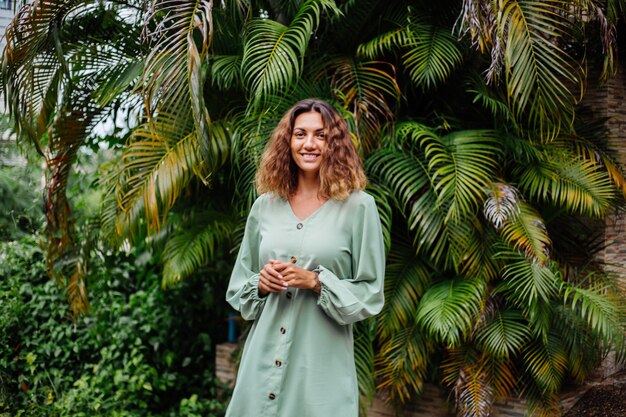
column 268, row 199
column 360, row 198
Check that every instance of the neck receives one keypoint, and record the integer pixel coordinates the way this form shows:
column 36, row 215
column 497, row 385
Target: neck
column 308, row 184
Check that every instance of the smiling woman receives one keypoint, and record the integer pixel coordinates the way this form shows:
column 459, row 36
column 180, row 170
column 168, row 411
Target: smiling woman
column 310, row 265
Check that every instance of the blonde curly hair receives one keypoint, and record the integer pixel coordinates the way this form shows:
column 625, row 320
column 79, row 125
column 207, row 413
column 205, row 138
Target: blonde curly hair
column 341, row 170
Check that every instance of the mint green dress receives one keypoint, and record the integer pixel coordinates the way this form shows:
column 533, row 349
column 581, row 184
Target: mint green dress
column 298, row 359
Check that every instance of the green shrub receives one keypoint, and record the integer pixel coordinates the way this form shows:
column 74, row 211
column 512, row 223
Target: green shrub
column 141, row 351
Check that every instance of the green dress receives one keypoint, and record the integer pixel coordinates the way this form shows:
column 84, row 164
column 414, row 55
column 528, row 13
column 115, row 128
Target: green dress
column 298, row 359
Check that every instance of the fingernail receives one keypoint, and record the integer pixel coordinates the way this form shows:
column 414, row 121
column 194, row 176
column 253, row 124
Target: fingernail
column 280, row 276
column 285, row 284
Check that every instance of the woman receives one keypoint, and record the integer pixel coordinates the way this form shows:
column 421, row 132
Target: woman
column 311, row 263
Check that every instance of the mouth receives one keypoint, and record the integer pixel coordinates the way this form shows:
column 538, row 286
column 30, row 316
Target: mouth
column 309, row 157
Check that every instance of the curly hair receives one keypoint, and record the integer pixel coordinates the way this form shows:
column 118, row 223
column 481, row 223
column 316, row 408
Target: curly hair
column 341, row 170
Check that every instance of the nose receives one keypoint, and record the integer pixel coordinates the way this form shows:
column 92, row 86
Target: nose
column 309, row 141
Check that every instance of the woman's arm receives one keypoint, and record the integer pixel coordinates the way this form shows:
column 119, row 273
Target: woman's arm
column 353, row 299
column 243, row 289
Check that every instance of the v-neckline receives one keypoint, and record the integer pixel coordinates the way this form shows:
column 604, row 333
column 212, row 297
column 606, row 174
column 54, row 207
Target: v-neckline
column 317, row 210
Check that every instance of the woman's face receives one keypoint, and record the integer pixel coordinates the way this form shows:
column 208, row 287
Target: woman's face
column 308, row 142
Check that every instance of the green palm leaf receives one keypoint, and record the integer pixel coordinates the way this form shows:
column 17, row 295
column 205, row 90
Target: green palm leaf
column 504, row 335
column 524, row 40
column 584, row 349
column 364, row 88
column 430, row 53
column 172, row 75
column 402, row 362
column 364, row 357
column 189, row 248
column 406, row 279
column 526, row 282
column 461, row 166
column 448, row 309
column 546, row 362
column 526, row 231
column 578, row 185
column 384, row 204
column 598, row 306
column 156, row 171
column 273, row 52
column 537, row 70
column 403, row 174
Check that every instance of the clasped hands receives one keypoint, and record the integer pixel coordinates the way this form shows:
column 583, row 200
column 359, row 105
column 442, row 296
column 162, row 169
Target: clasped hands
column 277, row 276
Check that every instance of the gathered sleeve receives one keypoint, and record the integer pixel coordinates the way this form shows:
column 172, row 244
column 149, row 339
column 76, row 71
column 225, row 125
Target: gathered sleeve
column 243, row 289
column 352, row 299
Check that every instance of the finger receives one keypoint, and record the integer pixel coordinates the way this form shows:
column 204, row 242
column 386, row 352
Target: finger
column 270, row 286
column 271, row 271
column 279, row 266
column 269, row 278
column 273, row 282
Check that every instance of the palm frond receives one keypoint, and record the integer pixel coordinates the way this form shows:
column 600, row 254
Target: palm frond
column 474, row 395
column 188, row 249
column 156, row 171
column 504, row 335
column 384, row 205
column 577, row 185
column 490, row 100
column 590, row 151
column 598, row 306
column 172, row 78
column 273, row 53
column 226, row 71
column 447, row 310
column 526, row 282
column 430, row 53
column 526, row 231
column 546, row 362
column 402, row 362
column 404, row 175
column 502, row 204
column 364, row 357
column 524, row 37
column 406, row 279
column 461, row 166
column 583, row 347
column 475, row 249
column 364, row 88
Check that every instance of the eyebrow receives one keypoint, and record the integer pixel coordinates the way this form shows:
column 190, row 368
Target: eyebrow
column 301, row 128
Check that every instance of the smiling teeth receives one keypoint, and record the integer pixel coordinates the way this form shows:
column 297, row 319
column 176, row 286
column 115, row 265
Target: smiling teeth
column 309, row 156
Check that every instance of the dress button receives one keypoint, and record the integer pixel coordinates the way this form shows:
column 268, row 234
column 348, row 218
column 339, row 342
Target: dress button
column 289, row 295
column 278, row 363
column 283, row 330
column 299, row 226
column 294, row 259
column 271, row 396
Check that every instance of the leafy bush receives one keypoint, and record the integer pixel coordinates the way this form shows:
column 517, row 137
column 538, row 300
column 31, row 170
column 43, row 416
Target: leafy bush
column 141, row 351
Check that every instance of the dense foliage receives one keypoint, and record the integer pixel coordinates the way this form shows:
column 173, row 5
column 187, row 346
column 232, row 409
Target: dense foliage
column 489, row 174
column 141, row 351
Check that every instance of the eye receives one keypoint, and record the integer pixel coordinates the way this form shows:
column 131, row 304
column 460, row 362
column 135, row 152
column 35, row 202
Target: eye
column 321, row 135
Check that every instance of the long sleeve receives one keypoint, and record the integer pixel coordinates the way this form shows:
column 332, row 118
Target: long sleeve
column 242, row 293
column 355, row 298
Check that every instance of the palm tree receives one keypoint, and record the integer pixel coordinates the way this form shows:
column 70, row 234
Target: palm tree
column 482, row 180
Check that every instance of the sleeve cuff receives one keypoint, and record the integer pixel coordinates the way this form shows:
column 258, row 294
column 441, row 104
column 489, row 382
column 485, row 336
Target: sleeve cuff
column 251, row 290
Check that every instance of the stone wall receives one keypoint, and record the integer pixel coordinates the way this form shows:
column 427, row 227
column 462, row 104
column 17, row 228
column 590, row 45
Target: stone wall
column 606, row 100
